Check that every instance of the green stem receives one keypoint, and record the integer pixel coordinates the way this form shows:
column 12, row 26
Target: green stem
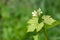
column 45, row 33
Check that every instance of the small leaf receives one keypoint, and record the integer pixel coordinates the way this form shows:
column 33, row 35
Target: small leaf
column 48, row 19
column 53, row 25
column 36, row 37
column 40, row 26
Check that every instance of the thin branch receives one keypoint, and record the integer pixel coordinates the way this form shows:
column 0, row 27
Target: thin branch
column 45, row 33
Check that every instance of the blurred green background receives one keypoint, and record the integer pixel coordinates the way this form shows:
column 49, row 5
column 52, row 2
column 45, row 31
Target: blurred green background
column 14, row 15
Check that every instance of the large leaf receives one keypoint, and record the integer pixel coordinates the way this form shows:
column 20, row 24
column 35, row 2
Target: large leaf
column 32, row 24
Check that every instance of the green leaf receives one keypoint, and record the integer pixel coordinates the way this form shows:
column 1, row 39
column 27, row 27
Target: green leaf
column 48, row 19
column 31, row 28
column 53, row 25
column 36, row 37
column 33, row 20
column 33, row 23
column 40, row 26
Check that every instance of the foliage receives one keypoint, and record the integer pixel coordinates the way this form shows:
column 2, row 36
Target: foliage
column 14, row 15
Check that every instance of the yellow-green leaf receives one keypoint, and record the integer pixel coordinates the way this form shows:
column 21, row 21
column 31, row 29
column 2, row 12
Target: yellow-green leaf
column 40, row 26
column 53, row 25
column 31, row 28
column 36, row 37
column 32, row 24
